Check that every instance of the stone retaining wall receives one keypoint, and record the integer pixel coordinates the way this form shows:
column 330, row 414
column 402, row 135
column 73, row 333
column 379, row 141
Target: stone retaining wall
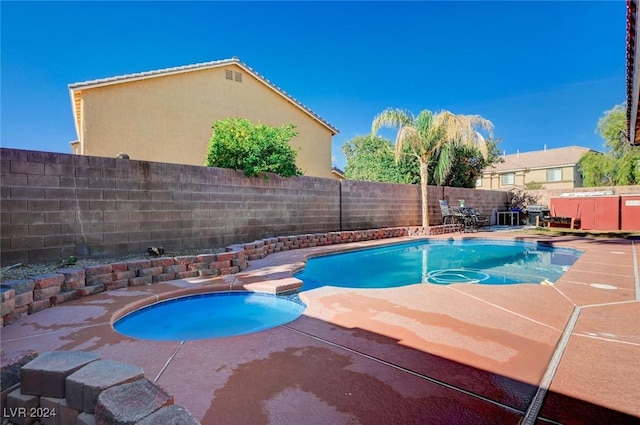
column 78, row 388
column 28, row 296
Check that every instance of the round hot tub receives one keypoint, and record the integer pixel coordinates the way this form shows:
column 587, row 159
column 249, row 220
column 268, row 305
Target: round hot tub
column 212, row 315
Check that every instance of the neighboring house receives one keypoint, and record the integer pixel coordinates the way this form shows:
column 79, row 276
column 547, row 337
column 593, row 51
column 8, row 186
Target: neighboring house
column 338, row 173
column 552, row 168
column 166, row 115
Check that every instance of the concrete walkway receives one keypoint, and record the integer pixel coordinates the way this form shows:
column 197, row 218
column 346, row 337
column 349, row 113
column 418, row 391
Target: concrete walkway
column 419, row 354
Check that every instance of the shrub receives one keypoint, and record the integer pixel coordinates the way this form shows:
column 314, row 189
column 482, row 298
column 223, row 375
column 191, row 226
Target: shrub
column 518, row 198
column 256, row 149
column 533, row 186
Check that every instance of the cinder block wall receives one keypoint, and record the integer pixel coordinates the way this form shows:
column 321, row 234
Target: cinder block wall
column 56, row 205
column 483, row 201
column 370, row 205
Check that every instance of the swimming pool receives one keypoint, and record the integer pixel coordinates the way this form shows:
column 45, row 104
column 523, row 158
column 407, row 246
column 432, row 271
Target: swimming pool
column 480, row 261
column 213, row 315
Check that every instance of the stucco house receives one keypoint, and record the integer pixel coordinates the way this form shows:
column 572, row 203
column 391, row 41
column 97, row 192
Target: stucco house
column 552, row 168
column 166, row 115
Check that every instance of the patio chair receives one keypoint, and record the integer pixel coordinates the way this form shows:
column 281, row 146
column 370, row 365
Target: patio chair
column 469, row 219
column 452, row 219
column 449, row 216
column 474, row 220
column 481, row 220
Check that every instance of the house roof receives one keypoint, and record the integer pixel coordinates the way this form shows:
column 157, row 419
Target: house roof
column 76, row 89
column 337, row 171
column 547, row 158
column 633, row 74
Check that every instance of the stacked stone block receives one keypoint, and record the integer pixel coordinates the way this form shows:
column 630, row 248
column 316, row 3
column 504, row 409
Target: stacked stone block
column 10, row 364
column 20, row 295
column 74, row 279
column 46, row 286
column 186, row 261
column 130, row 403
column 46, row 375
column 8, row 298
column 75, row 387
column 137, row 278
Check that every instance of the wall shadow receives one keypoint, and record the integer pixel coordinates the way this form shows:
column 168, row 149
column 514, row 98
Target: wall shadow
column 368, row 378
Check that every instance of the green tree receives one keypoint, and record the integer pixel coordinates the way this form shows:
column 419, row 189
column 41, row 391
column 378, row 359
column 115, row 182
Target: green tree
column 597, row 169
column 371, row 158
column 612, row 127
column 468, row 164
column 256, row 149
column 432, row 137
column 620, row 164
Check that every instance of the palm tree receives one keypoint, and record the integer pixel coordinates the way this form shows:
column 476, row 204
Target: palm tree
column 432, row 137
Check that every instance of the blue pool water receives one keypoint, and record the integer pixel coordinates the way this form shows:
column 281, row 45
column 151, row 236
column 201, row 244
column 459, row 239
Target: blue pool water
column 212, row 315
column 482, row 261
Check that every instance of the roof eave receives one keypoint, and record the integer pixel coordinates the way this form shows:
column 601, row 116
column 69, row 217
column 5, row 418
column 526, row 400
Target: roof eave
column 78, row 87
column 540, row 167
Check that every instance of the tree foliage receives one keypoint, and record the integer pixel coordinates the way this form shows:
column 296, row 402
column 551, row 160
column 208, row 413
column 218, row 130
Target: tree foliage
column 371, row 158
column 468, row 164
column 256, row 149
column 533, row 185
column 432, row 137
column 597, row 169
column 612, row 127
column 620, row 164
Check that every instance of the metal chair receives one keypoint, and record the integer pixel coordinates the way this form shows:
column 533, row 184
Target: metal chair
column 452, row 218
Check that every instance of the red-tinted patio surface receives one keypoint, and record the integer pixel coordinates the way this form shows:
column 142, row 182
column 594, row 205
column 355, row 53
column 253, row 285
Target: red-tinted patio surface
column 419, row 354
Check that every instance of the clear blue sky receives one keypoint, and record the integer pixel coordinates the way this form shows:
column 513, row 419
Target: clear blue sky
column 542, row 72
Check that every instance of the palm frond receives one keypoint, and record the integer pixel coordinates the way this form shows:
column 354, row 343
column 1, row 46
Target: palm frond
column 391, row 118
column 482, row 145
column 424, row 121
column 444, row 162
column 407, row 136
column 403, row 121
column 464, row 129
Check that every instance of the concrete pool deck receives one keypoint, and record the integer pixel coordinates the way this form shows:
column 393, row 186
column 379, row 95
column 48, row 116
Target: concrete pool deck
column 418, row 354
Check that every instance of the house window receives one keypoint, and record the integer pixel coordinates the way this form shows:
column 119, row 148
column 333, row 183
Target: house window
column 228, row 74
column 554, row 175
column 479, row 182
column 508, row 179
column 238, row 77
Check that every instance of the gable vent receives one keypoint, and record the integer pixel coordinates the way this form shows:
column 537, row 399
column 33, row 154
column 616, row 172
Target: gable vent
column 238, row 77
column 228, row 75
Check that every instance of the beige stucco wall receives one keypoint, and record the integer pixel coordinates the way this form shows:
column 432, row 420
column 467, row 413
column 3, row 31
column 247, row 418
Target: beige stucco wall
column 169, row 118
column 570, row 178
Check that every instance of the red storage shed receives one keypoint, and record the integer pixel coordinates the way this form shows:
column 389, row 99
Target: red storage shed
column 630, row 212
column 595, row 212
